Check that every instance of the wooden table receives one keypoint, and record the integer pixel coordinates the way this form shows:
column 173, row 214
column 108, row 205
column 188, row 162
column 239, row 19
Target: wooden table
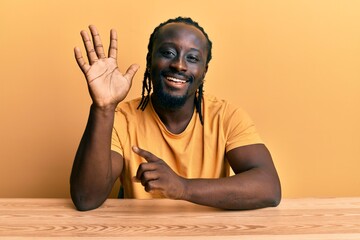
column 331, row 218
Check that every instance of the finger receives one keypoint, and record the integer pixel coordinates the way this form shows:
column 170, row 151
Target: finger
column 149, row 157
column 80, row 60
column 144, row 167
column 99, row 49
column 89, row 47
column 152, row 186
column 131, row 71
column 113, row 44
column 148, row 176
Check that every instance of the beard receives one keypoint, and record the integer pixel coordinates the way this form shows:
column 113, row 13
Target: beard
column 167, row 100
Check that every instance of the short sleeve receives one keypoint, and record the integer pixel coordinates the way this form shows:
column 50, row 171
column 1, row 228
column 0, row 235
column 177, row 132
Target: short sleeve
column 240, row 130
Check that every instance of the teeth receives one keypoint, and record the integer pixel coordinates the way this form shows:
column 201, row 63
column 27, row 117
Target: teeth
column 175, row 80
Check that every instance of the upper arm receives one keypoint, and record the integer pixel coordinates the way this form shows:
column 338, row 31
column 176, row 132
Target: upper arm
column 117, row 163
column 246, row 157
column 254, row 156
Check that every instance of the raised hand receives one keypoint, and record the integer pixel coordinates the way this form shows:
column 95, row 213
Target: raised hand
column 107, row 85
column 156, row 176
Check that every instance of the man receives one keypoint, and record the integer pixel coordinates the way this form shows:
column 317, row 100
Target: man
column 174, row 142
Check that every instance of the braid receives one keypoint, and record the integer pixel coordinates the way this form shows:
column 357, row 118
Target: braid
column 198, row 99
column 147, row 82
column 146, row 86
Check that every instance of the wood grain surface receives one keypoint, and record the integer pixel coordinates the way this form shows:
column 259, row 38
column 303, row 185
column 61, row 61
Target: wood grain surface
column 330, row 218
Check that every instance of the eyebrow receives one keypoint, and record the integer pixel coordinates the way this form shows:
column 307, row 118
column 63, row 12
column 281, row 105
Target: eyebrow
column 195, row 49
column 170, row 43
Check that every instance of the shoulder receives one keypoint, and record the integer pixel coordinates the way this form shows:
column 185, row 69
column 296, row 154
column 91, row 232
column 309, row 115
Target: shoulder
column 127, row 112
column 128, row 106
column 233, row 122
column 130, row 113
column 217, row 106
column 226, row 114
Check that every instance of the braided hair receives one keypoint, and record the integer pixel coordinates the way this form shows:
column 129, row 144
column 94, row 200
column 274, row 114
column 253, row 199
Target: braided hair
column 147, row 86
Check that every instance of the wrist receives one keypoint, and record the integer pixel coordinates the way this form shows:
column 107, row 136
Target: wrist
column 103, row 109
column 185, row 189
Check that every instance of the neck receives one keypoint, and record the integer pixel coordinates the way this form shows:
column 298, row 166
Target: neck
column 175, row 119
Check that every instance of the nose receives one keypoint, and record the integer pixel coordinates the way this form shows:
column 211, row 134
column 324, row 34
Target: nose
column 179, row 64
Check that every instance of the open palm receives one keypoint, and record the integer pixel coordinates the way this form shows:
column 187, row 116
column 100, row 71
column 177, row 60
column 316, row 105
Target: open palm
column 107, row 85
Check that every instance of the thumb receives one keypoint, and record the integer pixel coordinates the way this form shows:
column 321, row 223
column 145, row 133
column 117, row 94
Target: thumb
column 131, row 71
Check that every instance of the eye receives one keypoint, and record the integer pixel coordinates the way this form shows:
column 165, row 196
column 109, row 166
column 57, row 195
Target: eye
column 168, row 53
column 192, row 58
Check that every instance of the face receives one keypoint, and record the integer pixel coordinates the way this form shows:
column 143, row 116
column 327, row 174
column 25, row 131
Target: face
column 178, row 64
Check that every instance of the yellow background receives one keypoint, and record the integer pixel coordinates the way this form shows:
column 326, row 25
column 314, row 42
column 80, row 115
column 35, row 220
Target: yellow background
column 293, row 65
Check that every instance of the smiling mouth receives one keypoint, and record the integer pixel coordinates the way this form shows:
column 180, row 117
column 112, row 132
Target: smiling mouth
column 176, row 80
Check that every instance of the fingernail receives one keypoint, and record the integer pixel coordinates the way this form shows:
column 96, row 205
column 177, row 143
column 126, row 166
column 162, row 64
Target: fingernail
column 136, row 149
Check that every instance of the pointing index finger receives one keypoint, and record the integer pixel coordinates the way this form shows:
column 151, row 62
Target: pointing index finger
column 148, row 156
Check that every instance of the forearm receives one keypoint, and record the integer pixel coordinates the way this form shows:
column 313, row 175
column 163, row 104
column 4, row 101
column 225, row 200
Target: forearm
column 91, row 176
column 249, row 190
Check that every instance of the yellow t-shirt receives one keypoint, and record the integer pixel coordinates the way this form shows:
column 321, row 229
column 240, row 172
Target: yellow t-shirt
column 197, row 152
